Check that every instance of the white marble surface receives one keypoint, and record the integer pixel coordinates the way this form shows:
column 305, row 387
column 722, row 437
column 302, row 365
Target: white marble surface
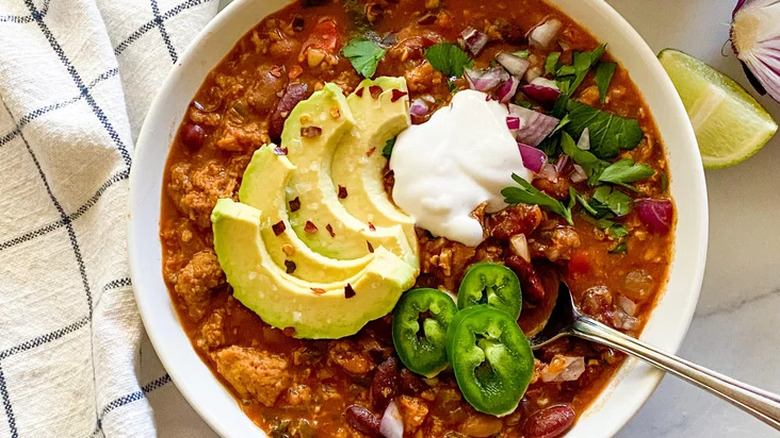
column 736, row 329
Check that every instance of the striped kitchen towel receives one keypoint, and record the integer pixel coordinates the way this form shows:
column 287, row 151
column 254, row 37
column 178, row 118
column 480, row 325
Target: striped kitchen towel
column 76, row 79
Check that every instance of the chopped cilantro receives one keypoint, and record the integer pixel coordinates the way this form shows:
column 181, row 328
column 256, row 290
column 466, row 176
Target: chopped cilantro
column 620, row 248
column 364, row 55
column 524, row 54
column 528, row 194
column 592, row 165
column 604, row 73
column 448, row 59
column 606, row 199
column 551, row 65
column 388, row 149
column 626, row 171
column 581, row 64
column 608, row 133
column 664, row 182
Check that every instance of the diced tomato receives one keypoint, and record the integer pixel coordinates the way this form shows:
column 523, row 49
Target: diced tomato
column 324, row 36
column 579, row 263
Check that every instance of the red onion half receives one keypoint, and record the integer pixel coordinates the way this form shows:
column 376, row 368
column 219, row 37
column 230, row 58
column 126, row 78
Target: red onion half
column 755, row 38
column 656, row 214
column 534, row 126
column 533, row 159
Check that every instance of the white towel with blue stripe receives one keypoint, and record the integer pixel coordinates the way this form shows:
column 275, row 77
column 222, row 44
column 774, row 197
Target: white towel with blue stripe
column 76, row 80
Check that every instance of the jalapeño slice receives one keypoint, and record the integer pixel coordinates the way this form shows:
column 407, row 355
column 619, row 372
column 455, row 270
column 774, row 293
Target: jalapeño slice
column 420, row 322
column 491, row 284
column 491, row 359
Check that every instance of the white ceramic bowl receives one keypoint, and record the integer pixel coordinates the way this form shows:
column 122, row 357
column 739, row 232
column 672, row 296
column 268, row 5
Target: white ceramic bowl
column 666, row 328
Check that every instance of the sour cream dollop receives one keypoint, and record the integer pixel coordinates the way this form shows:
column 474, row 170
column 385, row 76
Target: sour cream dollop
column 445, row 168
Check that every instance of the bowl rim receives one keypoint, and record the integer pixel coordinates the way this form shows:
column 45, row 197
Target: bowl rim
column 136, row 234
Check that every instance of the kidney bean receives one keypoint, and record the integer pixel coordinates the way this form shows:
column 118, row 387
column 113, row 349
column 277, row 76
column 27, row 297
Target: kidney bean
column 362, row 420
column 385, row 384
column 533, row 289
column 410, row 384
column 550, row 422
column 518, row 219
column 293, row 94
column 193, row 136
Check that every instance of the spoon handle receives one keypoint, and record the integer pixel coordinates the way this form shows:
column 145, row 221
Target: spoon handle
column 762, row 404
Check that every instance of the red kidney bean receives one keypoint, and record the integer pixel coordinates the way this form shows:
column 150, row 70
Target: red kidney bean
column 533, row 289
column 363, row 420
column 519, row 219
column 385, row 384
column 410, row 383
column 293, row 94
column 193, row 136
column 550, row 422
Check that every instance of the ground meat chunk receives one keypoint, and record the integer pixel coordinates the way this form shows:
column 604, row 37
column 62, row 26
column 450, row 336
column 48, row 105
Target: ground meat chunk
column 351, row 357
column 554, row 244
column 254, row 374
column 413, row 412
column 243, row 137
column 211, row 333
column 195, row 189
column 558, row 189
column 181, row 240
column 443, row 260
column 195, row 282
column 422, row 78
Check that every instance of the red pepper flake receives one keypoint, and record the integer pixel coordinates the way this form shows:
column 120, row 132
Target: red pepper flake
column 371, row 227
column 290, row 265
column 397, row 94
column 342, row 192
column 359, row 92
column 317, row 291
column 311, row 131
column 370, row 247
column 278, row 228
column 375, row 91
column 371, row 151
column 289, row 332
column 310, row 227
column 330, row 230
column 348, row 291
column 280, row 150
column 295, row 204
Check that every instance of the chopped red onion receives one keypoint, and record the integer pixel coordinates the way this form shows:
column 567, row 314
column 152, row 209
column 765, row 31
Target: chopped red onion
column 656, row 214
column 515, row 65
column 533, row 159
column 755, row 38
column 485, row 80
column 506, row 91
column 534, row 126
column 473, row 40
column 392, row 425
column 418, row 107
column 563, row 167
column 584, row 141
column 578, row 175
column 519, row 245
column 548, row 172
column 543, row 35
column 563, row 369
column 512, row 122
column 622, row 320
column 543, row 91
column 626, row 305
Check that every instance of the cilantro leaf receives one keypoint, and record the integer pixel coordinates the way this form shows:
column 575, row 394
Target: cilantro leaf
column 620, row 248
column 604, row 73
column 388, row 149
column 364, row 55
column 448, row 59
column 592, row 165
column 551, row 65
column 608, row 133
column 626, row 171
column 581, row 64
column 606, row 199
column 522, row 54
column 528, row 194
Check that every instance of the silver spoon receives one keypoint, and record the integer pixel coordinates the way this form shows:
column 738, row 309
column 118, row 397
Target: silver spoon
column 566, row 320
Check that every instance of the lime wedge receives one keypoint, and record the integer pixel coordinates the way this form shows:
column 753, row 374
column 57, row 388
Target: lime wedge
column 730, row 125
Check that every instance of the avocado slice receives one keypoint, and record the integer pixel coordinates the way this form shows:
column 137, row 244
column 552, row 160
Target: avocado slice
column 263, row 188
column 358, row 163
column 327, row 114
column 314, row 310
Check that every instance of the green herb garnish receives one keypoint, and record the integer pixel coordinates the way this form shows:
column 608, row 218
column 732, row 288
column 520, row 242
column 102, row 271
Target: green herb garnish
column 364, row 55
column 388, row 149
column 528, row 194
column 592, row 165
column 604, row 73
column 551, row 65
column 608, row 200
column 524, row 54
column 448, row 59
column 620, row 248
column 608, row 133
column 581, row 64
column 626, row 171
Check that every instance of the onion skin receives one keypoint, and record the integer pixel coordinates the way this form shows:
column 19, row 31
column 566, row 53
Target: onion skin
column 755, row 39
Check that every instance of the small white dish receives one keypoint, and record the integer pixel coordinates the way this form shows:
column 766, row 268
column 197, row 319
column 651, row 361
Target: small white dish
column 665, row 329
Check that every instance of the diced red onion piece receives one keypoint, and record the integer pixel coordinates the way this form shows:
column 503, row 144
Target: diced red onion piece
column 543, row 35
column 548, row 172
column 473, row 40
column 418, row 107
column 519, row 245
column 391, row 425
column 563, row 167
column 534, row 126
column 626, row 305
column 506, row 91
column 623, row 321
column 656, row 214
column 542, row 90
column 584, row 141
column 485, row 80
column 563, row 369
column 578, row 175
column 512, row 122
column 533, row 159
column 755, row 38
column 515, row 65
